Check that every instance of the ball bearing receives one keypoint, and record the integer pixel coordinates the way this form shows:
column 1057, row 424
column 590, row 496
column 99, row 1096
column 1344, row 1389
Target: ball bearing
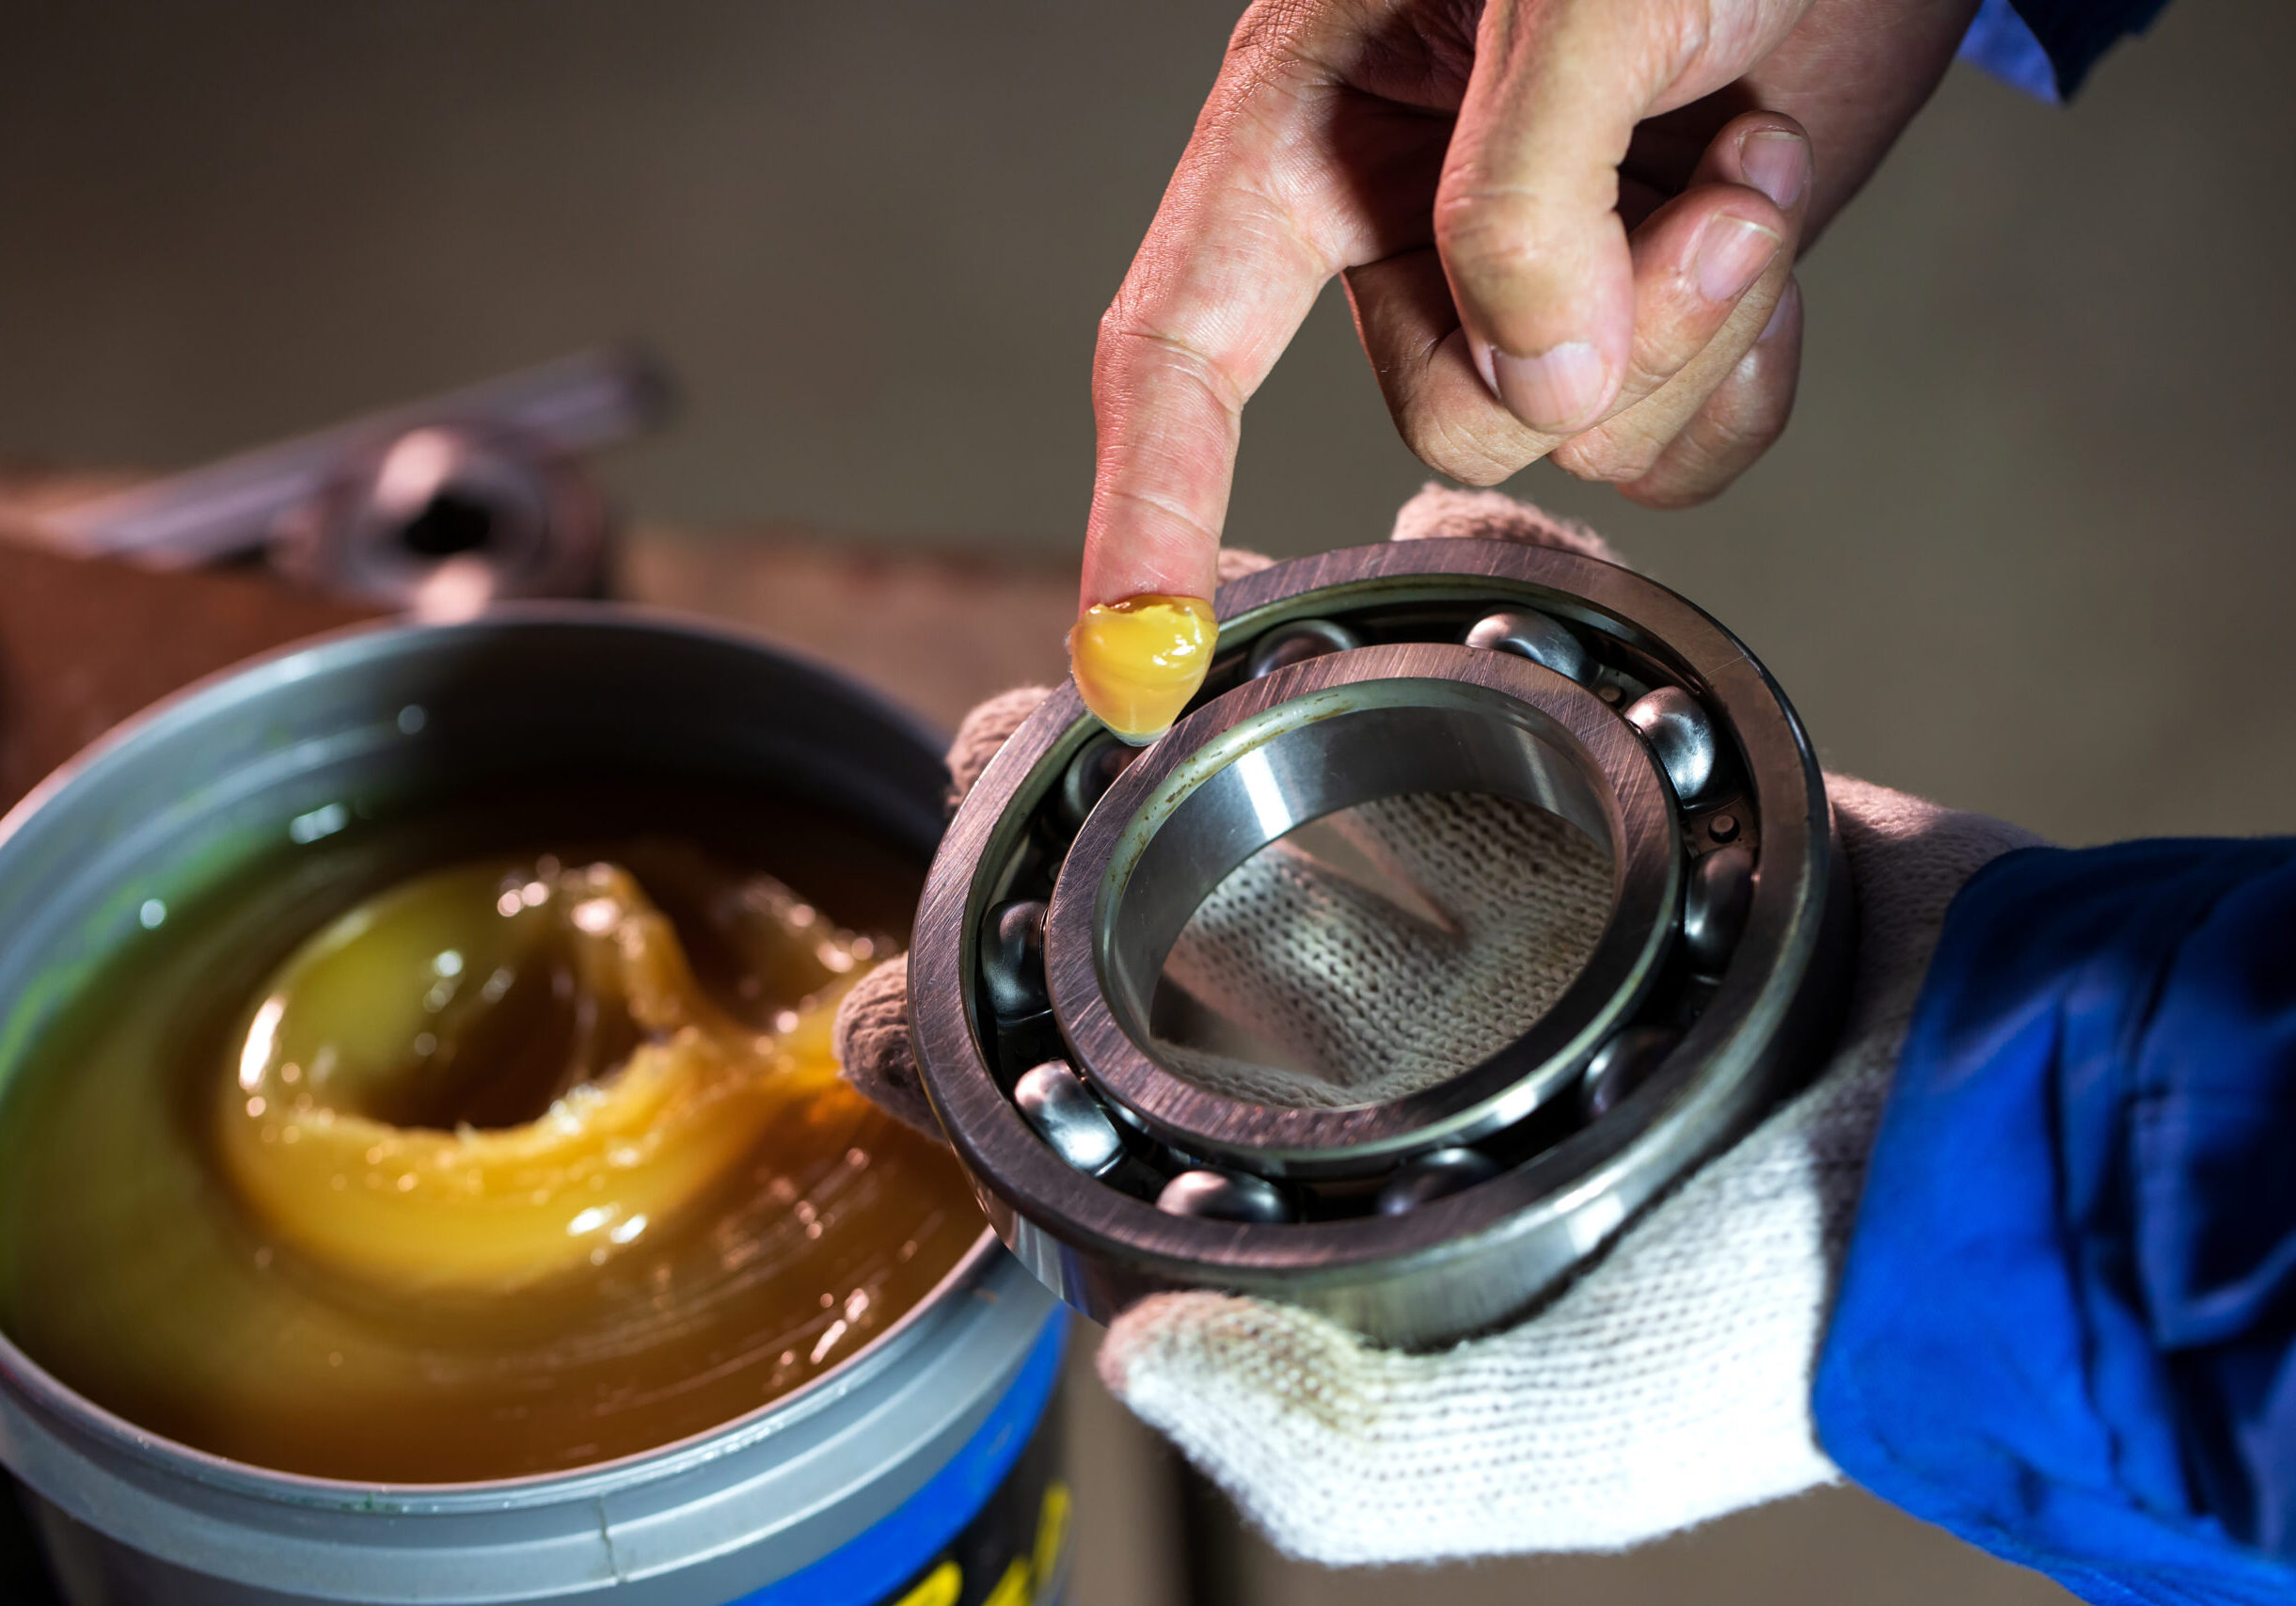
column 1431, row 666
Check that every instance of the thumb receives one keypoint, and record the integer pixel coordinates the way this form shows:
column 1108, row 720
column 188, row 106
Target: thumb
column 984, row 733
column 871, row 1032
column 1908, row 859
column 1277, row 1406
column 1526, row 218
column 873, row 1053
column 1526, row 214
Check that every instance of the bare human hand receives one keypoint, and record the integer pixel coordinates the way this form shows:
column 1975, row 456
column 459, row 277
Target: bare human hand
column 1567, row 228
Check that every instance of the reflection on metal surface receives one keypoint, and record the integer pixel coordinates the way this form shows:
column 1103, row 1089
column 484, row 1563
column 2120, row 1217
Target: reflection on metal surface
column 1067, row 1116
column 1435, row 1176
column 1224, row 1195
column 1625, row 1062
column 1681, row 734
column 1721, row 892
column 1296, row 643
column 1536, row 637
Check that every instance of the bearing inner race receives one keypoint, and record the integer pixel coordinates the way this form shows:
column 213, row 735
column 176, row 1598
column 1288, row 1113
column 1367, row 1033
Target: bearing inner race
column 1305, row 741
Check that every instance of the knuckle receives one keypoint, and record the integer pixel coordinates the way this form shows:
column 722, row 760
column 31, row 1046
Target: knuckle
column 1272, row 54
column 1662, row 349
column 1131, row 355
column 1719, row 445
column 1753, row 436
column 1488, row 238
column 1120, row 342
column 1472, row 455
column 1608, row 457
column 1116, row 319
column 1270, row 26
column 1745, row 419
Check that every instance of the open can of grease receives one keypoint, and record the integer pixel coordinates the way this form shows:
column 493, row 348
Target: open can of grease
column 420, row 1174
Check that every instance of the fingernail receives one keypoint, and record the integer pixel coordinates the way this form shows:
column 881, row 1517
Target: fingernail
column 1776, row 164
column 1483, row 356
column 1558, row 392
column 1786, row 303
column 1732, row 254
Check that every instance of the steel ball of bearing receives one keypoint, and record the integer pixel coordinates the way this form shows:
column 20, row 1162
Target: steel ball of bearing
column 1526, row 672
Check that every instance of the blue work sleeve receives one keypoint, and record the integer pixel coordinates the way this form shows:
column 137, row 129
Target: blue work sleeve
column 2067, row 1327
column 2047, row 47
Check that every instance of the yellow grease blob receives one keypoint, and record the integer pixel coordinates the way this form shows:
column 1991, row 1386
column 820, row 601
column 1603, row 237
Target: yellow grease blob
column 1138, row 662
column 464, row 996
column 483, row 1055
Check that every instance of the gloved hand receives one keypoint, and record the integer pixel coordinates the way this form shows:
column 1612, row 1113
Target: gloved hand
column 1667, row 1386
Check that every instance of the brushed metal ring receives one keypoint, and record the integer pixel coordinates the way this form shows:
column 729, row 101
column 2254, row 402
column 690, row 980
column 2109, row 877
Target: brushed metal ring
column 1345, row 728
column 1392, row 1222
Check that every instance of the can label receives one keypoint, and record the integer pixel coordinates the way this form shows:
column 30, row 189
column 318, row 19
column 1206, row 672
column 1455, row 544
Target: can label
column 991, row 1528
column 1016, row 1551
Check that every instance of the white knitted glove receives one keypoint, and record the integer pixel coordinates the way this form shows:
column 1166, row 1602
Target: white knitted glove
column 1668, row 1385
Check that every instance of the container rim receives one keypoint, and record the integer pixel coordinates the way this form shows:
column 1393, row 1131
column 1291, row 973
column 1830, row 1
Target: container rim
column 73, row 1412
column 376, row 638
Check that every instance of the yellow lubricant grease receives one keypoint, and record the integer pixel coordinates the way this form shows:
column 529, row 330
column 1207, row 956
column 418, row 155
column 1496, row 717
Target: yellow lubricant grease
column 368, row 1169
column 358, row 1125
column 1138, row 662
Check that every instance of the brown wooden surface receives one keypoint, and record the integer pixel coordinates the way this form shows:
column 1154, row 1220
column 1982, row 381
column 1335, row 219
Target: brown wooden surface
column 938, row 633
column 84, row 644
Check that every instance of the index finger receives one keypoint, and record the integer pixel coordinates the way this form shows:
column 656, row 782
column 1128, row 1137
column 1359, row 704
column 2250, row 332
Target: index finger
column 1228, row 271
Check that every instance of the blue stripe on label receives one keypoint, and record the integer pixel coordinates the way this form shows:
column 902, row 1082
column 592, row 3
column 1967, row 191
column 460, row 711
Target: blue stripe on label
column 874, row 1563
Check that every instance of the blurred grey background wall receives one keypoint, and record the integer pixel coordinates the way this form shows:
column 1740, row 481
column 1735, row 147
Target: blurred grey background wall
column 2026, row 546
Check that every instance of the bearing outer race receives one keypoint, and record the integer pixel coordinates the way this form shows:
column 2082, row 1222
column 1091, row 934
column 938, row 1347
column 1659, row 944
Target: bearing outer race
column 1478, row 1258
column 1646, row 906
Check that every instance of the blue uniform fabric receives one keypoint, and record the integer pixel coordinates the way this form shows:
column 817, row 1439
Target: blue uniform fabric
column 2047, row 47
column 2067, row 1327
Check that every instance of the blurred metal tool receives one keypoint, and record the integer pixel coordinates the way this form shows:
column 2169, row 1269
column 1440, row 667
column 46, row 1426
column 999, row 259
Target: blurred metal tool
column 438, row 507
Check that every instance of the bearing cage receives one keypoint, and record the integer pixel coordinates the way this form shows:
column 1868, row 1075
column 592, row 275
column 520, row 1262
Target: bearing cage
column 1479, row 1234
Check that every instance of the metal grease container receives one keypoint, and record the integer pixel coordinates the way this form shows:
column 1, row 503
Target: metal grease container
column 1439, row 666
column 922, row 1460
